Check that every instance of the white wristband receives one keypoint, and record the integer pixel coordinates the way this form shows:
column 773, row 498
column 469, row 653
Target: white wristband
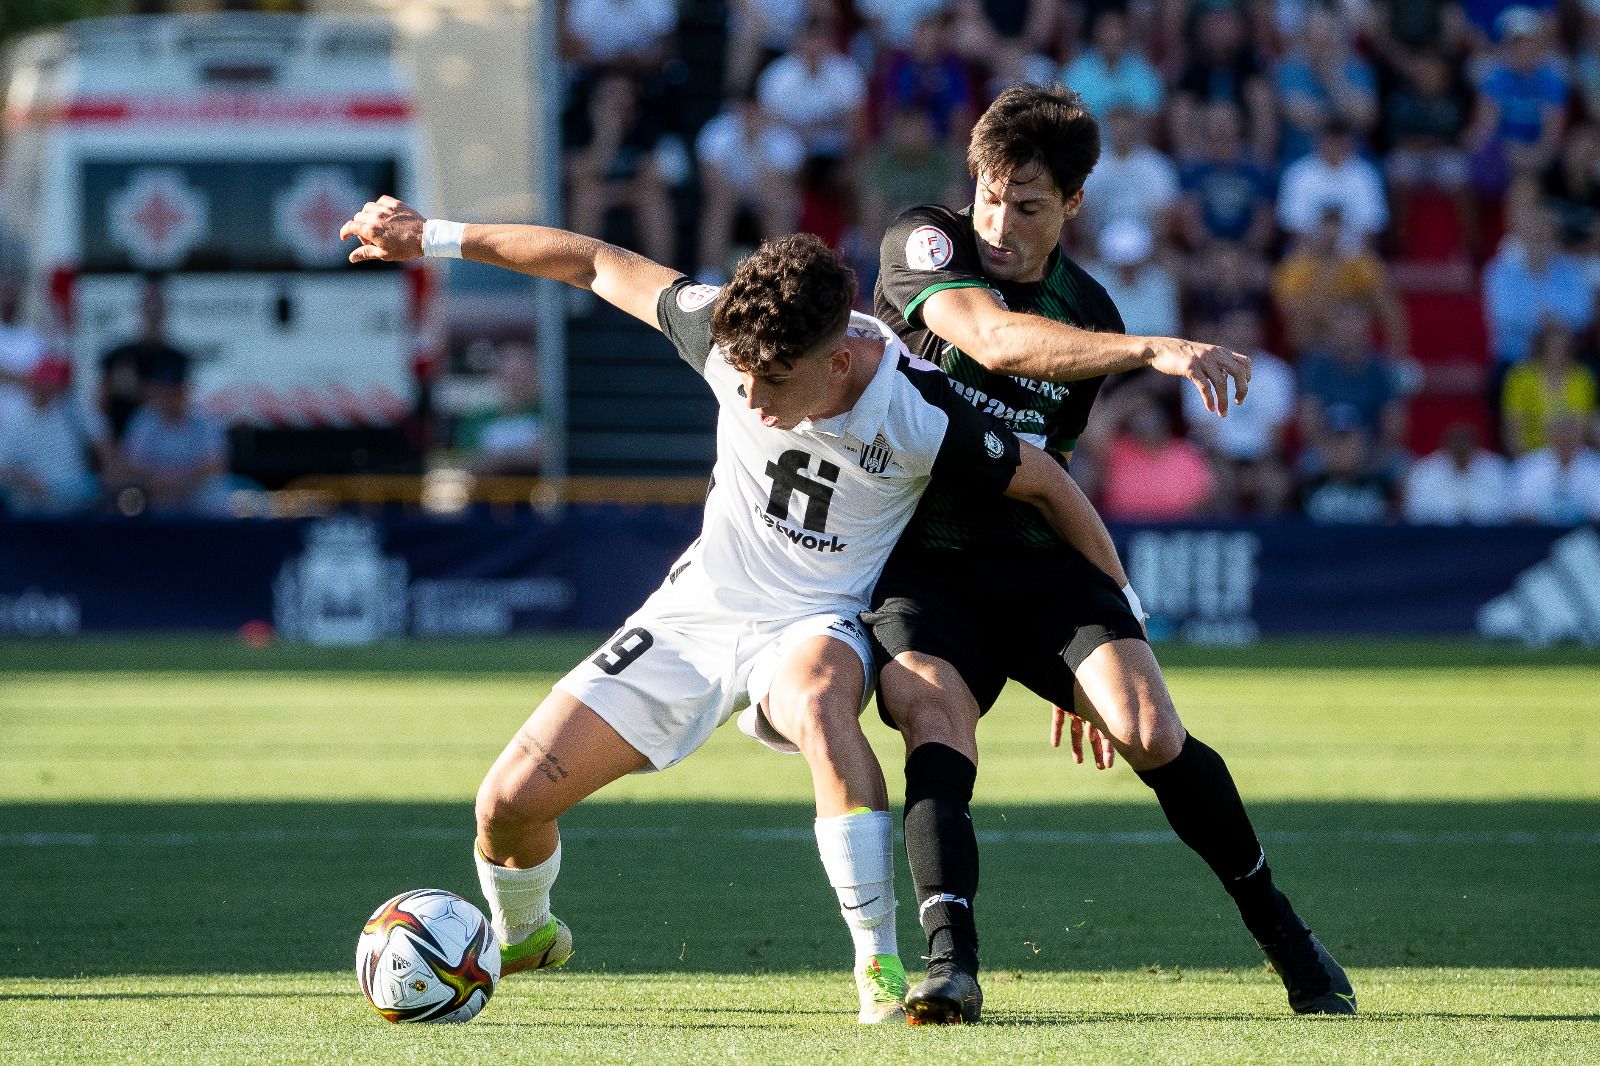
column 1133, row 603
column 441, row 239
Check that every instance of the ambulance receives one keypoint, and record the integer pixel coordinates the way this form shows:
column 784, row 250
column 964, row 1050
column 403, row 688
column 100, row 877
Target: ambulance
column 217, row 156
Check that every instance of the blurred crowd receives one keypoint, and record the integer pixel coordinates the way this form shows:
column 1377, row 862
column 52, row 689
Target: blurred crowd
column 1390, row 206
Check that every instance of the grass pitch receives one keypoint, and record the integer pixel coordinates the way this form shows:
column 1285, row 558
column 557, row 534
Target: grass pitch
column 191, row 833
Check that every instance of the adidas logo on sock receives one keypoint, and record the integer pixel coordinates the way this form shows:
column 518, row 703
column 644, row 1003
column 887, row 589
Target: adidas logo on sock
column 1556, row 599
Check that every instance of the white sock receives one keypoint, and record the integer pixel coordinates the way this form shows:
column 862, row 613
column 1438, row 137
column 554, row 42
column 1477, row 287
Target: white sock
column 519, row 900
column 857, row 852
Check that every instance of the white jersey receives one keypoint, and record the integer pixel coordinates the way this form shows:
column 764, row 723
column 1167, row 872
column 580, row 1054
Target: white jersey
column 801, row 521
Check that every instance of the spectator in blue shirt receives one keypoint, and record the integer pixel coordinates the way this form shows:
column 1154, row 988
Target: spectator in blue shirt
column 176, row 455
column 1226, row 194
column 1522, row 99
column 1321, row 80
column 1111, row 74
column 1349, row 385
column 1529, row 283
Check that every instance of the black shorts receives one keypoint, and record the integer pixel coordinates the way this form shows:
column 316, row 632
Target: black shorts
column 1033, row 617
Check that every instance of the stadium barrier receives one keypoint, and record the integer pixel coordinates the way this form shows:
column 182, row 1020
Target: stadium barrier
column 351, row 579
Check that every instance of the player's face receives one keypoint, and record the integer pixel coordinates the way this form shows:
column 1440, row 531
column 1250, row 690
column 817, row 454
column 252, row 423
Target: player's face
column 784, row 395
column 1018, row 222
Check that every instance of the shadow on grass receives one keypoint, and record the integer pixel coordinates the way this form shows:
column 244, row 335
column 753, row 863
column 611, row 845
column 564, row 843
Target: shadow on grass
column 662, row 887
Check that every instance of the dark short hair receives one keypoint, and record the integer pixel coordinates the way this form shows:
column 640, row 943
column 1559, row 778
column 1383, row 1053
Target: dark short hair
column 1047, row 125
column 791, row 295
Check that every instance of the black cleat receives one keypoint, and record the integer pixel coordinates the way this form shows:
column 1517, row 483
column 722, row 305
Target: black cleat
column 1316, row 983
column 949, row 995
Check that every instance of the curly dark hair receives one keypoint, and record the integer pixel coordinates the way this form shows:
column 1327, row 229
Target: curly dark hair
column 1047, row 125
column 790, row 296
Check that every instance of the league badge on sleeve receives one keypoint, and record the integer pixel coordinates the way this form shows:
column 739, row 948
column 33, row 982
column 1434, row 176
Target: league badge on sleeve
column 929, row 248
column 692, row 298
column 993, row 445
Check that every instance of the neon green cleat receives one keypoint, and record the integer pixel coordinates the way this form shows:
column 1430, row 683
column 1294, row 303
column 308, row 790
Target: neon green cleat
column 546, row 948
column 881, row 980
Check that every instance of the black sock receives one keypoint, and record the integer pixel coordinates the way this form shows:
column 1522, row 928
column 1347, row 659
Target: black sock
column 943, row 850
column 1202, row 804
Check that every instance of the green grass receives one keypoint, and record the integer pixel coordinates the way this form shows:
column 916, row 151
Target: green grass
column 191, row 833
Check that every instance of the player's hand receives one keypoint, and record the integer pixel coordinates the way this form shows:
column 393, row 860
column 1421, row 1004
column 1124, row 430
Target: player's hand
column 1099, row 743
column 1209, row 367
column 387, row 229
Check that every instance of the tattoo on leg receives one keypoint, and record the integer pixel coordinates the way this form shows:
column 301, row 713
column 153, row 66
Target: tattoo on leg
column 545, row 762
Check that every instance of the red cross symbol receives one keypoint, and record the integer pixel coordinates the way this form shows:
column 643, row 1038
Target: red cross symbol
column 322, row 215
column 158, row 217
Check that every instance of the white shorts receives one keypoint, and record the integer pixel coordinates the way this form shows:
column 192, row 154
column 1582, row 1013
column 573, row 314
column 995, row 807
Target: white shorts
column 667, row 679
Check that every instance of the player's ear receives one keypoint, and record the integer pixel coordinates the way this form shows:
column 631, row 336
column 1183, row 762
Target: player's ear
column 1074, row 202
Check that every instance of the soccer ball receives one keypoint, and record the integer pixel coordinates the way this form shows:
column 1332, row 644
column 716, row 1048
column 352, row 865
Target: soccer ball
column 427, row 956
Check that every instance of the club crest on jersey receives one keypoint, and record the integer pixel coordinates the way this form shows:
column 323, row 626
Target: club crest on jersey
column 694, row 297
column 875, row 457
column 929, row 248
column 993, row 445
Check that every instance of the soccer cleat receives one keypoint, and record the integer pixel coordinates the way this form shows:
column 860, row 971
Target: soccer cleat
column 949, row 995
column 1315, row 982
column 546, row 948
column 881, row 980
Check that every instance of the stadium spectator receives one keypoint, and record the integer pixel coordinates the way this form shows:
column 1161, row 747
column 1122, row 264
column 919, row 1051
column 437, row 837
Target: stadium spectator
column 1143, row 290
column 623, row 155
column 1559, row 484
column 928, row 75
column 1333, row 177
column 909, row 166
column 1322, row 80
column 1132, row 181
column 1226, row 194
column 176, row 456
column 1528, row 284
column 1225, row 277
column 125, row 367
column 1570, row 187
column 758, row 32
column 1463, row 483
column 21, row 347
column 749, row 169
column 1424, row 118
column 1550, row 386
column 45, row 446
column 1247, row 449
column 895, row 22
column 1349, row 487
column 1522, row 100
column 1150, row 474
column 1113, row 72
column 509, row 436
column 1223, row 68
column 1348, row 386
column 629, row 35
column 1321, row 272
column 819, row 91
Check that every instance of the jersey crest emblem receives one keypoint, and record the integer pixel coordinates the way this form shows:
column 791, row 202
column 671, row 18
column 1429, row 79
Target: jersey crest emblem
column 694, row 297
column 929, row 248
column 876, row 457
column 993, row 445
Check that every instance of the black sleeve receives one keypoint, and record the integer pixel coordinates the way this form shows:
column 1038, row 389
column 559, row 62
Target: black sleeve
column 926, row 249
column 684, row 311
column 978, row 453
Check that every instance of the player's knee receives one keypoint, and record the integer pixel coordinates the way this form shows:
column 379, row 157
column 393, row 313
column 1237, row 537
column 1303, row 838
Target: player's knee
column 815, row 724
column 1157, row 740
column 503, row 810
column 933, row 719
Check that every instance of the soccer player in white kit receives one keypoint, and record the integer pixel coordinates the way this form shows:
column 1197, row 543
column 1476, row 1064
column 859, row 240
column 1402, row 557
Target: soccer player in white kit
column 827, row 433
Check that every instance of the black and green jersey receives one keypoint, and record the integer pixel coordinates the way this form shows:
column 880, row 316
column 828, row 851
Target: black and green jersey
column 931, row 248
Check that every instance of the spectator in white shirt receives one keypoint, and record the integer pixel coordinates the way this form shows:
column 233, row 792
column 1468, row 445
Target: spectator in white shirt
column 1247, row 449
column 1144, row 291
column 45, row 447
column 1462, row 483
column 749, row 163
column 1334, row 177
column 818, row 91
column 1131, row 181
column 20, row 348
column 1559, row 485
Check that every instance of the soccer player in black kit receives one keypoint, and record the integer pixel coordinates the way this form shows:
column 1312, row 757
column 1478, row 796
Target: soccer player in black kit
column 974, row 596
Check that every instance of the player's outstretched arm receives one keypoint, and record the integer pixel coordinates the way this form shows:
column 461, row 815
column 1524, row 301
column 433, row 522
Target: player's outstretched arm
column 1042, row 482
column 392, row 231
column 1032, row 346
